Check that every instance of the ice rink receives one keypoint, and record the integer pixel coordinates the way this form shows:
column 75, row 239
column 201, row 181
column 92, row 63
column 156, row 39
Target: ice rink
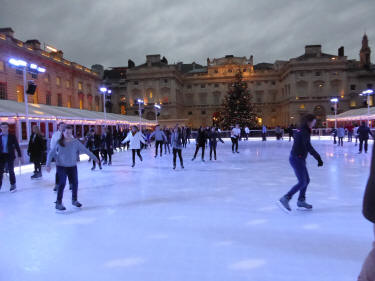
column 213, row 221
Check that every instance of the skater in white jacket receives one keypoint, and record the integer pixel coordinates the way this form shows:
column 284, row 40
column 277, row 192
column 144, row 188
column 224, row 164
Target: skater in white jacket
column 135, row 138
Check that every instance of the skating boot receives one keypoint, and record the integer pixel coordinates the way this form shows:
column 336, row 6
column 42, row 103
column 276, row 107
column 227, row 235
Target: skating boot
column 284, row 204
column 174, row 166
column 302, row 205
column 133, row 165
column 60, row 207
column 75, row 203
column 56, row 187
column 13, row 188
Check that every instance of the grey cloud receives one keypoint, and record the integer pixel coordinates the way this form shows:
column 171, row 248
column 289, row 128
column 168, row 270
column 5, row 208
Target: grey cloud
column 110, row 32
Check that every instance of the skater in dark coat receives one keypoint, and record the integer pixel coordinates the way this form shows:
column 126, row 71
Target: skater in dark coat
column 108, row 144
column 35, row 150
column 200, row 142
column 301, row 147
column 363, row 135
column 213, row 137
column 94, row 144
column 368, row 269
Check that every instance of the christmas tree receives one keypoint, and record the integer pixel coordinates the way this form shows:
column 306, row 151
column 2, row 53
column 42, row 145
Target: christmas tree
column 237, row 106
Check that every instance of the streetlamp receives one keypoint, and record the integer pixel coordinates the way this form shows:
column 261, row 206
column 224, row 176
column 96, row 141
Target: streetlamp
column 157, row 109
column 335, row 101
column 140, row 102
column 104, row 92
column 367, row 93
column 32, row 67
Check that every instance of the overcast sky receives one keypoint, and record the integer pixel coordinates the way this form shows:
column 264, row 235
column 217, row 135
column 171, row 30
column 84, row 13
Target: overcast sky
column 109, row 32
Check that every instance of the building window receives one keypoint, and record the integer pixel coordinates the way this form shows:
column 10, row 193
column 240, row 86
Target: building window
column 353, row 103
column 69, row 102
column 81, row 102
column 216, row 85
column 301, row 74
column 122, row 108
column 216, row 71
column 273, row 83
column 19, row 72
column 302, row 106
column 48, row 98
column 135, row 82
column 67, row 84
column 244, row 70
column 165, row 80
column 59, row 100
column 35, row 96
column 34, row 75
column 317, row 73
column 46, row 78
column 190, row 113
column 58, row 81
column 189, row 86
column 3, row 91
column 20, row 94
column 230, row 70
column 369, row 86
column 2, row 66
column 203, row 112
column 80, row 86
column 352, row 87
column 258, row 83
column 203, row 85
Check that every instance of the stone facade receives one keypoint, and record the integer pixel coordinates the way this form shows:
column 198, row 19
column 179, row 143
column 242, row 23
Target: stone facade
column 64, row 83
column 282, row 92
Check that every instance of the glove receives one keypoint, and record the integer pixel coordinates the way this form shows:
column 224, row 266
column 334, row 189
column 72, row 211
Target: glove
column 320, row 162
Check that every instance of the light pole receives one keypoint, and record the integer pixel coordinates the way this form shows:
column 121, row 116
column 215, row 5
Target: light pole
column 32, row 67
column 157, row 109
column 335, row 101
column 367, row 93
column 140, row 113
column 104, row 92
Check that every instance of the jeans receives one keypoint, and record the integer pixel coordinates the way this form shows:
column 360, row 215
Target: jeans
column 213, row 148
column 72, row 174
column 107, row 156
column 361, row 141
column 341, row 141
column 166, row 145
column 6, row 160
column 37, row 167
column 96, row 153
column 197, row 149
column 300, row 169
column 264, row 136
column 175, row 152
column 234, row 144
column 157, row 144
column 138, row 151
column 368, row 268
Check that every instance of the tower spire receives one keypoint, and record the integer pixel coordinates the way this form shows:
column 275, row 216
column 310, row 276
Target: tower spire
column 365, row 53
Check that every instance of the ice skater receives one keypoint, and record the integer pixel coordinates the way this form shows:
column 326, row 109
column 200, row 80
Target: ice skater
column 213, row 137
column 363, row 135
column 108, row 144
column 264, row 133
column 94, row 144
column 200, row 143
column 177, row 144
column 234, row 136
column 8, row 144
column 135, row 138
column 368, row 268
column 341, row 135
column 55, row 138
column 301, row 147
column 160, row 138
column 35, row 150
column 65, row 152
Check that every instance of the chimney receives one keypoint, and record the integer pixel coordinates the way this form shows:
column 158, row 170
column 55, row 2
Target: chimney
column 7, row 31
column 313, row 50
column 341, row 51
column 33, row 43
column 150, row 59
column 193, row 65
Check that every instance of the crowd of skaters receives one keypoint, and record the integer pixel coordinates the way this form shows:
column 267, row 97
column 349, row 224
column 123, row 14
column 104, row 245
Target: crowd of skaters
column 65, row 150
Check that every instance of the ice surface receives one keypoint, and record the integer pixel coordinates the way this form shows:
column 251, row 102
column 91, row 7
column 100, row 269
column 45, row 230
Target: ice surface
column 212, row 221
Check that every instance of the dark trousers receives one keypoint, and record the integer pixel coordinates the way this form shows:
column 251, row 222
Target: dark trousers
column 300, row 169
column 361, row 141
column 350, row 136
column 334, row 140
column 341, row 141
column 107, row 156
column 166, row 145
column 264, row 136
column 197, row 149
column 6, row 160
column 175, row 152
column 72, row 174
column 138, row 151
column 96, row 153
column 157, row 144
column 213, row 149
column 37, row 167
column 234, row 144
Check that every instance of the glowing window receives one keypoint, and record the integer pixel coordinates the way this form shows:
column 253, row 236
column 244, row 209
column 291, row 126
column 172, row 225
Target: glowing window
column 58, row 81
column 80, row 86
column 20, row 94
